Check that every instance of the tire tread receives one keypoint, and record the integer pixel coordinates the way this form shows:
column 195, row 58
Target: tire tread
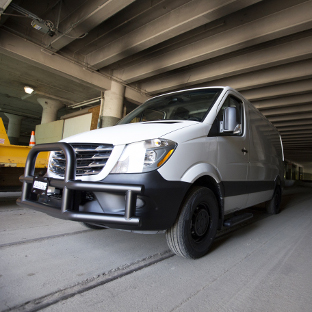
column 175, row 239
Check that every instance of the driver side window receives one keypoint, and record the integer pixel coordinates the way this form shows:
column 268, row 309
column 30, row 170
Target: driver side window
column 217, row 127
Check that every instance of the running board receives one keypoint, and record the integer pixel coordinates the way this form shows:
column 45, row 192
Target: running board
column 237, row 219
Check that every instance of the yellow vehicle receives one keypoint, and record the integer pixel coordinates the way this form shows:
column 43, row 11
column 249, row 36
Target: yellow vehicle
column 12, row 162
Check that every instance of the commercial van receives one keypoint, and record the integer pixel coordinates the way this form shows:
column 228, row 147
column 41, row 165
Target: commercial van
column 184, row 163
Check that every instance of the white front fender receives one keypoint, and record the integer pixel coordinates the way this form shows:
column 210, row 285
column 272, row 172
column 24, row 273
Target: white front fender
column 200, row 170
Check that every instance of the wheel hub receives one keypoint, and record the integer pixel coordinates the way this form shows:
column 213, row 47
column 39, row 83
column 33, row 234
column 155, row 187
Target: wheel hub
column 201, row 222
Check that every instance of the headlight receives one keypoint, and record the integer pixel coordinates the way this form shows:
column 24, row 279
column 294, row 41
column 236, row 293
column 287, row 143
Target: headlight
column 144, row 156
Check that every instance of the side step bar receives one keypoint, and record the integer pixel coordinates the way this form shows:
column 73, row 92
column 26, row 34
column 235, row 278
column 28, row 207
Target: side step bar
column 237, row 219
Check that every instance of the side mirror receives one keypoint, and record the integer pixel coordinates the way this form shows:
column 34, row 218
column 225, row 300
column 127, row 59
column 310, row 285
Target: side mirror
column 229, row 122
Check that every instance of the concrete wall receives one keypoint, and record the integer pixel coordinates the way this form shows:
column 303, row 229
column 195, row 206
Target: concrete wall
column 307, row 172
column 49, row 132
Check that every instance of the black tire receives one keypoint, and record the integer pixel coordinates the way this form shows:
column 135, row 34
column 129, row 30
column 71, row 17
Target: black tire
column 195, row 229
column 273, row 206
column 93, row 226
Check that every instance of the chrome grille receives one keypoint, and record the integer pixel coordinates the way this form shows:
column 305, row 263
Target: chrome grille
column 90, row 158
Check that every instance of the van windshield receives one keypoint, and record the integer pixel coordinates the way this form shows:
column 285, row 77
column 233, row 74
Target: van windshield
column 184, row 105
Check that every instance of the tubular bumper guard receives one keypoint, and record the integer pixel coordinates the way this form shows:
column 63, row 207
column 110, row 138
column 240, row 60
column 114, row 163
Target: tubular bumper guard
column 69, row 184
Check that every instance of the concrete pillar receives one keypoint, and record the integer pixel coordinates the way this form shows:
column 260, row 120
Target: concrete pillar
column 14, row 128
column 50, row 108
column 113, row 105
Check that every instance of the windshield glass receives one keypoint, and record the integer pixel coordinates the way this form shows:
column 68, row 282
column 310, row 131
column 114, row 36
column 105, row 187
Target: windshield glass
column 185, row 105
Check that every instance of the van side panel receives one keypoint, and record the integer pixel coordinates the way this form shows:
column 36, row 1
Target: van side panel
column 265, row 155
column 233, row 162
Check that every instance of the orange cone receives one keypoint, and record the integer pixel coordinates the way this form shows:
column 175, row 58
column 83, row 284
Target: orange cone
column 32, row 141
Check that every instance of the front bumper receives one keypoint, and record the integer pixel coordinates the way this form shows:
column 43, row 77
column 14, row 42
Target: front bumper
column 161, row 198
column 70, row 184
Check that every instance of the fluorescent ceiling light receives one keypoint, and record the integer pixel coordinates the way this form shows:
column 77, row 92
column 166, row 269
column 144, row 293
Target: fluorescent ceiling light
column 28, row 90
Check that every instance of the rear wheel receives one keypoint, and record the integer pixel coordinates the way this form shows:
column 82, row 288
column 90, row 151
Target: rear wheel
column 273, row 206
column 195, row 229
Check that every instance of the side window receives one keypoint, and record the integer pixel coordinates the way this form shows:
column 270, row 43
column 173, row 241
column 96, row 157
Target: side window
column 218, row 125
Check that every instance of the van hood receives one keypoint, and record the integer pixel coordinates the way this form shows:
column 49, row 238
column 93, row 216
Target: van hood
column 128, row 133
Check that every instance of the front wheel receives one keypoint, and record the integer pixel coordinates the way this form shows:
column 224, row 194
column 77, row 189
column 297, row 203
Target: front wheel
column 195, row 229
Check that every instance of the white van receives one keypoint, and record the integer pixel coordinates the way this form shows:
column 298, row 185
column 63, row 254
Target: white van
column 180, row 163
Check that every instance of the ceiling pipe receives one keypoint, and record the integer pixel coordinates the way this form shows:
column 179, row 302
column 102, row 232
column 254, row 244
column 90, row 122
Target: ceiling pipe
column 84, row 103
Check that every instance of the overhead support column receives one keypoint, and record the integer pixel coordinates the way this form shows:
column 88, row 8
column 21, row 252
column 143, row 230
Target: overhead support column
column 113, row 105
column 50, row 108
column 14, row 128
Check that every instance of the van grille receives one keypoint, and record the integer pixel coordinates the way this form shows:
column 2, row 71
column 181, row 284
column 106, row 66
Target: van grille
column 91, row 159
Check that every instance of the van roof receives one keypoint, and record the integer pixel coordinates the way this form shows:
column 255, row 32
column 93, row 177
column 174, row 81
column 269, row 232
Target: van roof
column 225, row 88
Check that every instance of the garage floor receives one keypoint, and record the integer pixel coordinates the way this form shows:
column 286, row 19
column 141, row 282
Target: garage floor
column 48, row 264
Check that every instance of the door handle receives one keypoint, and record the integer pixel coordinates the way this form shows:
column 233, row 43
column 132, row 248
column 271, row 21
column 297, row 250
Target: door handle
column 244, row 151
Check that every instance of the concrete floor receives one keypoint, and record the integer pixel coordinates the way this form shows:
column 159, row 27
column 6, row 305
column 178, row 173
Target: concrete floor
column 48, row 264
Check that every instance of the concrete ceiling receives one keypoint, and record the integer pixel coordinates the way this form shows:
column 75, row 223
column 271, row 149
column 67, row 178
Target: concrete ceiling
column 261, row 48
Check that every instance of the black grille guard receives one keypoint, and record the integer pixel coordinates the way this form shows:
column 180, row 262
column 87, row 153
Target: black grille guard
column 69, row 184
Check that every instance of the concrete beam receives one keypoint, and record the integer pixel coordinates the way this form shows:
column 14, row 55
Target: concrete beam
column 273, row 56
column 4, row 4
column 290, row 88
column 290, row 117
column 182, row 19
column 303, row 122
column 272, row 26
column 302, row 157
column 270, row 76
column 123, row 23
column 298, row 135
column 291, row 150
column 135, row 97
column 295, row 128
column 85, row 18
column 283, row 101
column 295, row 140
column 33, row 54
column 292, row 153
column 297, row 132
column 297, row 150
column 306, row 148
column 303, row 152
column 287, row 110
column 306, row 143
